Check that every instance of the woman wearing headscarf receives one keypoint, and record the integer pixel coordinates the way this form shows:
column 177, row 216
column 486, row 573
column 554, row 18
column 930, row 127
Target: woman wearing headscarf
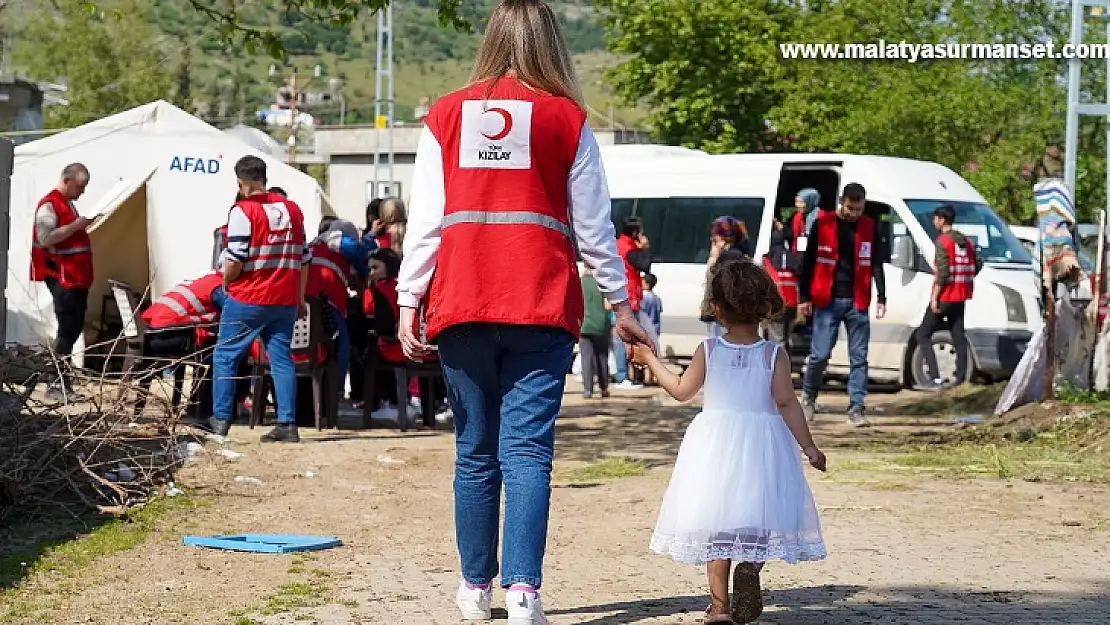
column 503, row 167
column 806, row 203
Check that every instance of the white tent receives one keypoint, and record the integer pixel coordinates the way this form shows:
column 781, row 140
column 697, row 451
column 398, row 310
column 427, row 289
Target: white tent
column 162, row 181
column 257, row 139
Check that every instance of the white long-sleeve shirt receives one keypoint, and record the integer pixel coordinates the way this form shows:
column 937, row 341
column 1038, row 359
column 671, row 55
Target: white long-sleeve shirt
column 590, row 214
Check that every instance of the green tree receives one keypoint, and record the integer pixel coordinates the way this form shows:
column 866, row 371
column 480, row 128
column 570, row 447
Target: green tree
column 110, row 59
column 712, row 74
column 183, row 80
column 707, row 70
column 237, row 26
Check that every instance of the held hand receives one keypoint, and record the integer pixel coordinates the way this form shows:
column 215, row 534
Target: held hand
column 644, row 242
column 805, row 309
column 628, row 328
column 880, row 311
column 406, row 332
column 82, row 223
column 642, row 354
column 816, row 458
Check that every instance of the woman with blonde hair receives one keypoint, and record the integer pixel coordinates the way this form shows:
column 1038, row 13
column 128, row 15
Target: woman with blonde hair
column 504, row 166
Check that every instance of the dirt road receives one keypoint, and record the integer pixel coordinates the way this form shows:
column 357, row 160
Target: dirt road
column 906, row 547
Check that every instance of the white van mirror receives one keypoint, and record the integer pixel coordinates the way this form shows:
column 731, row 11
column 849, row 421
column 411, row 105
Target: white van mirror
column 903, row 252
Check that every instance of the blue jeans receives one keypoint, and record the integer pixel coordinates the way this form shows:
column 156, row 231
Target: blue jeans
column 826, row 326
column 240, row 324
column 505, row 385
column 342, row 345
column 621, row 356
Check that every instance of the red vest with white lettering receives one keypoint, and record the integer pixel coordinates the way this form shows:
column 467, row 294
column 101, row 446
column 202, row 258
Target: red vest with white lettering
column 785, row 280
column 506, row 254
column 69, row 261
column 328, row 275
column 187, row 304
column 272, row 272
column 626, row 244
column 797, row 230
column 961, row 270
column 828, row 252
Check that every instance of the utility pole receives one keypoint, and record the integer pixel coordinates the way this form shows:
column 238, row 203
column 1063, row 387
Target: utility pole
column 384, row 73
column 294, row 88
column 1100, row 10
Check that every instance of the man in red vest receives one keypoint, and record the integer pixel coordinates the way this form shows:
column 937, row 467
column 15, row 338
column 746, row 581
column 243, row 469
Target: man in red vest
column 265, row 275
column 835, row 287
column 957, row 265
column 61, row 256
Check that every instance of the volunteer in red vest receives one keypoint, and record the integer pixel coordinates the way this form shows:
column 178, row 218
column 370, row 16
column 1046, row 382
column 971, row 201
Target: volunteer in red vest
column 61, row 256
column 835, row 287
column 806, row 203
column 338, row 265
column 954, row 283
column 778, row 261
column 503, row 167
column 183, row 319
column 265, row 274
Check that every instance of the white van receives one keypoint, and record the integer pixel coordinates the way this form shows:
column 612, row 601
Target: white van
column 679, row 193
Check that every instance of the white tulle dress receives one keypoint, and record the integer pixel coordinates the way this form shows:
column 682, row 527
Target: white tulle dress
column 738, row 491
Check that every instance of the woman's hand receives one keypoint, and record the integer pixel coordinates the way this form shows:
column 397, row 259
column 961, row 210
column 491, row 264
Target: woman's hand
column 628, row 328
column 406, row 333
column 642, row 355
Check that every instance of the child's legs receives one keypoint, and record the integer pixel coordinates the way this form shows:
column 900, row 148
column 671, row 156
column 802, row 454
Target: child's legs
column 601, row 359
column 589, row 366
column 717, row 571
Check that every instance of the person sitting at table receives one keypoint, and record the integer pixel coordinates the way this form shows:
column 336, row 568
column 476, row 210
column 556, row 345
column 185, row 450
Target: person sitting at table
column 338, row 264
column 184, row 319
column 380, row 302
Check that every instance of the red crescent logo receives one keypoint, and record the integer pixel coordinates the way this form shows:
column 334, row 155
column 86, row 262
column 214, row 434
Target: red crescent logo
column 508, row 119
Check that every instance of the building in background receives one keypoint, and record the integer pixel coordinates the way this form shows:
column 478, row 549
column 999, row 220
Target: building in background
column 20, row 108
column 348, row 152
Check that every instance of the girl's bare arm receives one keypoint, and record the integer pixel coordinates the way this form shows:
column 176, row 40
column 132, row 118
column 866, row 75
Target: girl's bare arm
column 791, row 411
column 681, row 388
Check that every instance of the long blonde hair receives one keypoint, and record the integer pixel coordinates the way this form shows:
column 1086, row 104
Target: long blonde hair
column 524, row 39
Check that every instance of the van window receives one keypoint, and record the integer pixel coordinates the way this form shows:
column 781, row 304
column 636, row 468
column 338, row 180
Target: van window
column 678, row 228
column 994, row 241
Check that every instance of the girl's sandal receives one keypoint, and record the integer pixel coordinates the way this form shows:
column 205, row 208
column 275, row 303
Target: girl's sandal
column 710, row 617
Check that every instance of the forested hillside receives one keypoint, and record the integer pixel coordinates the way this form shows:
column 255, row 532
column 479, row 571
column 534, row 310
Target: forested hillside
column 223, row 82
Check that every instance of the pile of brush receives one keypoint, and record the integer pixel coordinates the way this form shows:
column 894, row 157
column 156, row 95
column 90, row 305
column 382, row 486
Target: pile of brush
column 91, row 454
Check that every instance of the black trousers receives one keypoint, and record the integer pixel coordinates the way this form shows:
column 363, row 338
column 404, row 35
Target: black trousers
column 951, row 313
column 70, row 306
column 595, row 361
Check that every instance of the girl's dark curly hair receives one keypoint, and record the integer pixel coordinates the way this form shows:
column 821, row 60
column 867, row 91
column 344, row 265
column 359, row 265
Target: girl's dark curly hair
column 743, row 293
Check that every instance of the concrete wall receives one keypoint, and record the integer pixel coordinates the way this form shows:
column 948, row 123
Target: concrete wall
column 350, row 176
column 7, row 160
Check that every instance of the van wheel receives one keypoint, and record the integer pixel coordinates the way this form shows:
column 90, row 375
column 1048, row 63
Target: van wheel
column 945, row 349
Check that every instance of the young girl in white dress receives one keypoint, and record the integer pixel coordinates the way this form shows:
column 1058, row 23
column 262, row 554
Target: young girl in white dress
column 738, row 491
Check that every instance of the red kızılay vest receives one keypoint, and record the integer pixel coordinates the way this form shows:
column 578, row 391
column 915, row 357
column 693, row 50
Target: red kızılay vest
column 329, row 275
column 786, row 282
column 961, row 270
column 506, row 254
column 272, row 272
column 828, row 252
column 187, row 304
column 70, row 261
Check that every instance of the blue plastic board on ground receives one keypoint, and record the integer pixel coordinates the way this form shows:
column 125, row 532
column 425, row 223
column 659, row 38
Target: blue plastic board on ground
column 264, row 543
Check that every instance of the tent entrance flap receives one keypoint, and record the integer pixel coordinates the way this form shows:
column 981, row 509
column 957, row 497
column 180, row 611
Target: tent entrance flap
column 120, row 252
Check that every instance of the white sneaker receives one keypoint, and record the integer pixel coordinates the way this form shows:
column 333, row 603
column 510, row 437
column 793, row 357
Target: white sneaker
column 629, row 385
column 385, row 412
column 444, row 416
column 474, row 602
column 414, row 407
column 524, row 608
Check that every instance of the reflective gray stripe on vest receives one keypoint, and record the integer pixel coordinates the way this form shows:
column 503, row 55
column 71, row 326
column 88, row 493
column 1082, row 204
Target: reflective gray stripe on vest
column 71, row 251
column 272, row 263
column 507, row 218
column 192, row 298
column 327, row 262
